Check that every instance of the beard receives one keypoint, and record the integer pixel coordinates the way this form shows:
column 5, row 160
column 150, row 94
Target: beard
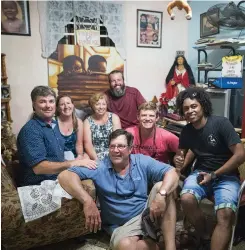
column 118, row 93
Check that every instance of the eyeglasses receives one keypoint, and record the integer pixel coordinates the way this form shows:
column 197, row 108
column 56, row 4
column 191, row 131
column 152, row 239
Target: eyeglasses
column 118, row 146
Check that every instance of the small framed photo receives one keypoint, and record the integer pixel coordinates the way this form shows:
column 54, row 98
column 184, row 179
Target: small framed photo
column 15, row 18
column 149, row 29
column 5, row 91
column 206, row 28
column 4, row 116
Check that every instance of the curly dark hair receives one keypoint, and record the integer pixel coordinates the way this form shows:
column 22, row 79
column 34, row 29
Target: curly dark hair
column 195, row 93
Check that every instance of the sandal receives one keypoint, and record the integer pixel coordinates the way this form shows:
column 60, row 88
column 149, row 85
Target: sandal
column 181, row 239
column 150, row 228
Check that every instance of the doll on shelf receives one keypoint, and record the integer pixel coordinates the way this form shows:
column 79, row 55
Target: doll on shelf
column 179, row 78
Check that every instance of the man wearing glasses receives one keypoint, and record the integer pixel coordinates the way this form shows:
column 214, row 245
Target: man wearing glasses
column 150, row 140
column 121, row 182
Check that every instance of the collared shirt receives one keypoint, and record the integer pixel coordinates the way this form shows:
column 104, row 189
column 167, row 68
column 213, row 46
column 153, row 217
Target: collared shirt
column 38, row 141
column 123, row 197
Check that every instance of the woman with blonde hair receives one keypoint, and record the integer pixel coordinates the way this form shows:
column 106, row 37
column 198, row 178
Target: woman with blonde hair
column 70, row 126
column 98, row 127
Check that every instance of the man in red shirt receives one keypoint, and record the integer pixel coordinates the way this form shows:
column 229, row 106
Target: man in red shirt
column 123, row 100
column 150, row 139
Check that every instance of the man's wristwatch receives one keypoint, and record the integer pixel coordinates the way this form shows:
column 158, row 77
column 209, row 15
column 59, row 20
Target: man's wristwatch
column 162, row 192
column 213, row 175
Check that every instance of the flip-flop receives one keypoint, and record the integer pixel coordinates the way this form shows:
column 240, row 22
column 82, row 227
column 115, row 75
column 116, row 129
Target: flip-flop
column 151, row 228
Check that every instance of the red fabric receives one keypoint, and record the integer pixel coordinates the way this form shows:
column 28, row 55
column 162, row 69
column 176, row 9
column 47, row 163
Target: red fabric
column 172, row 90
column 126, row 107
column 165, row 142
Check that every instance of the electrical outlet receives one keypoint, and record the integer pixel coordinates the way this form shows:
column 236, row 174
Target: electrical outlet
column 180, row 53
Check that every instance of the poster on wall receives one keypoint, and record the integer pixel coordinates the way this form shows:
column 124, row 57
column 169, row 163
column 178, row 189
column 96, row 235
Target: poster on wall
column 15, row 18
column 88, row 37
column 80, row 71
column 149, row 29
column 232, row 66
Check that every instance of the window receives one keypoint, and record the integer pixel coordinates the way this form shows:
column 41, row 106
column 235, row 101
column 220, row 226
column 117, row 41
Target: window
column 86, row 23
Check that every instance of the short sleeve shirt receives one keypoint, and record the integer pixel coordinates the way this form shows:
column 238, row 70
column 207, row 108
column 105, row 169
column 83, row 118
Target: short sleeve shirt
column 37, row 142
column 211, row 143
column 123, row 197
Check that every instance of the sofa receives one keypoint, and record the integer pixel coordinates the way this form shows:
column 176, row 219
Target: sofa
column 68, row 222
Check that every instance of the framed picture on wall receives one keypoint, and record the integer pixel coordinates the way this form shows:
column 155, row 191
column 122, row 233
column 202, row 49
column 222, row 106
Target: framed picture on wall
column 15, row 18
column 5, row 90
column 206, row 28
column 149, row 29
column 3, row 113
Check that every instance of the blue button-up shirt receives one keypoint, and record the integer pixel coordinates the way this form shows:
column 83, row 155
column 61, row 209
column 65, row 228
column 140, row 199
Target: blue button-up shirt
column 123, row 197
column 38, row 141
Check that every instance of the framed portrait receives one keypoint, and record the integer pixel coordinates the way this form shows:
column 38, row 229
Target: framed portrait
column 206, row 28
column 4, row 116
column 149, row 29
column 15, row 18
column 5, row 92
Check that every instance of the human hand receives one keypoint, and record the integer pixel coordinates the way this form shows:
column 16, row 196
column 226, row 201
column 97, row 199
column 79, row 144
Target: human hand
column 157, row 207
column 79, row 157
column 172, row 82
column 92, row 216
column 206, row 177
column 179, row 159
column 84, row 163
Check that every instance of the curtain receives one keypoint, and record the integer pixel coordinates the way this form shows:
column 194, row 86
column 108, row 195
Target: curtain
column 55, row 15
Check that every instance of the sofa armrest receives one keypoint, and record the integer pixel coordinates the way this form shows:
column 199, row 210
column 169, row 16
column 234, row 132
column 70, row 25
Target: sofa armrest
column 65, row 223
column 11, row 212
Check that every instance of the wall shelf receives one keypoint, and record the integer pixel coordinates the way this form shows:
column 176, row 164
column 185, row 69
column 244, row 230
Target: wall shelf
column 202, row 49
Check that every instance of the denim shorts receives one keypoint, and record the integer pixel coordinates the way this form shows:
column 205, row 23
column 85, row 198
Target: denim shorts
column 224, row 188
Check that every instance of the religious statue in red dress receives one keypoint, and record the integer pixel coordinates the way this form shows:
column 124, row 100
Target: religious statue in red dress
column 179, row 78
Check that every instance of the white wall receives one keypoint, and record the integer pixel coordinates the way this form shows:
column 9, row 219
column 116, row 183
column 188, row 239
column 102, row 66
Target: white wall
column 146, row 67
column 25, row 68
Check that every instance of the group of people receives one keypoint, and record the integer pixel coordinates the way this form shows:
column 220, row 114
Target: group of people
column 123, row 151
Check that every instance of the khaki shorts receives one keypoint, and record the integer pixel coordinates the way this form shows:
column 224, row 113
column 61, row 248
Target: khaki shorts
column 132, row 227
